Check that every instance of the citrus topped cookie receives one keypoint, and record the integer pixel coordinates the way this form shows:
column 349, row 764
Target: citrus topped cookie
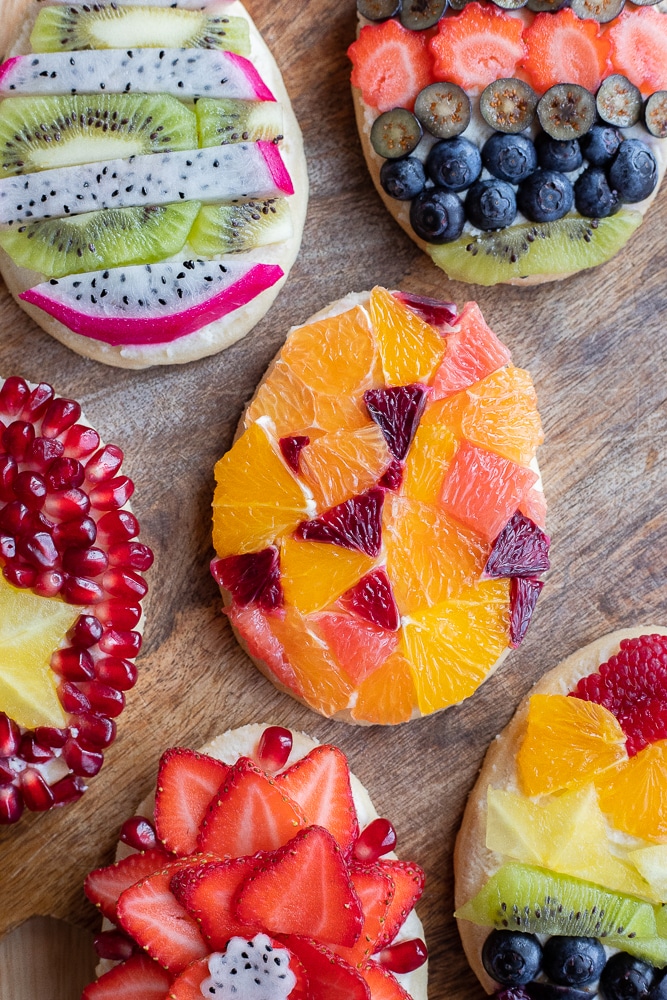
column 378, row 522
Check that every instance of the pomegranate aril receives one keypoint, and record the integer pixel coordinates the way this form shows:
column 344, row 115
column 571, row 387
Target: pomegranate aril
column 79, row 533
column 63, row 474
column 14, row 394
column 134, row 555
column 14, row 518
column 252, row 578
column 37, row 401
column 48, row 736
column 404, row 957
column 38, row 550
column 355, row 524
column 291, row 448
column 85, row 632
column 81, row 441
column 112, row 494
column 73, row 664
column 60, row 414
column 67, row 505
column 85, row 763
column 138, row 832
column 124, row 583
column 275, row 746
column 10, row 736
column 7, row 776
column 113, row 945
column 71, row 698
column 11, row 804
column 42, row 452
column 103, row 697
column 17, row 438
column 393, row 476
column 524, row 591
column 32, row 751
column 68, row 789
column 121, row 644
column 30, row 489
column 118, row 613
column 79, row 590
column 85, row 562
column 432, row 311
column 23, row 577
column 7, row 547
column 105, row 464
column 397, row 411
column 376, row 840
column 118, row 526
column 49, row 583
column 37, row 795
column 93, row 732
column 120, row 674
column 8, row 473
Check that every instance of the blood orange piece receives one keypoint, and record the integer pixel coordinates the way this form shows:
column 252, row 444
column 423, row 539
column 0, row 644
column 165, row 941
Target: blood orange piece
column 432, row 311
column 563, row 47
column 534, row 506
column 391, row 65
column 253, row 578
column 373, row 600
column 521, row 549
column 639, row 48
column 472, row 352
column 355, row 524
column 397, row 411
column 291, row 448
column 524, row 592
column 478, row 46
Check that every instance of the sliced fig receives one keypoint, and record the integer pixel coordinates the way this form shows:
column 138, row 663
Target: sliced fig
column 597, row 10
column 395, row 133
column 566, row 111
column 443, row 109
column 417, row 15
column 508, row 105
column 619, row 102
column 378, row 10
column 655, row 114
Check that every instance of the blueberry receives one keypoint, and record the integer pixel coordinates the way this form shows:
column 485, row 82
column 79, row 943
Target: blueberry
column 659, row 988
column 545, row 196
column 593, row 196
column 512, row 958
column 540, row 990
column 633, row 172
column 491, row 204
column 454, row 163
column 554, row 154
column 625, row 978
column 437, row 216
column 403, row 179
column 573, row 961
column 510, row 157
column 600, row 145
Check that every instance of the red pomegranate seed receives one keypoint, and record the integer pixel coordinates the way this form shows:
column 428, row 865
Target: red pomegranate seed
column 93, row 732
column 68, row 789
column 48, row 736
column 36, row 521
column 8, row 472
column 64, row 474
column 103, row 698
column 67, row 505
column 38, row 550
column 123, row 583
column 404, row 957
column 11, row 804
column 14, row 518
column 73, row 664
column 85, row 763
column 23, row 577
column 79, row 590
column 60, row 415
column 105, row 464
column 30, row 489
column 112, row 494
column 42, row 452
column 117, row 613
column 134, row 555
column 79, row 533
column 32, row 751
column 6, row 774
column 7, row 547
column 36, row 793
column 120, row 674
column 85, row 632
column 13, row 396
column 118, row 526
column 138, row 832
column 275, row 746
column 10, row 736
column 122, row 644
column 37, row 401
column 49, row 583
column 81, row 441
column 17, row 438
column 113, row 945
column 71, row 698
column 85, row 562
column 376, row 840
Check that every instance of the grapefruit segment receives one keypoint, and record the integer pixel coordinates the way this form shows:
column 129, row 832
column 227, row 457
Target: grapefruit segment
column 360, row 647
column 472, row 352
column 410, row 349
column 315, row 573
column 252, row 625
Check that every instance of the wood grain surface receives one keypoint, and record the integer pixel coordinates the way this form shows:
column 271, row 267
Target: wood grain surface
column 597, row 350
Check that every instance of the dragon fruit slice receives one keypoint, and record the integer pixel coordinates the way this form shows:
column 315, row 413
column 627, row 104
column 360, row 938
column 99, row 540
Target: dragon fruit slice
column 180, row 296
column 241, row 171
column 181, row 72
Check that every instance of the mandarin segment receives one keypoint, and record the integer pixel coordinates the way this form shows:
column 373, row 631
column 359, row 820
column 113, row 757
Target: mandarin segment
column 285, row 400
column 319, row 353
column 387, row 696
column 634, row 795
column 314, row 574
column 501, row 415
column 340, row 465
column 432, row 450
column 410, row 349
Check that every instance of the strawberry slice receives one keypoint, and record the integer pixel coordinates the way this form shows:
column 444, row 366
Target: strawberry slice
column 382, row 984
column 561, row 46
column 408, row 882
column 304, row 889
column 150, row 913
column 139, row 978
column 250, row 813
column 320, row 784
column 639, row 48
column 104, row 885
column 375, row 890
column 186, row 783
column 391, row 65
column 329, row 976
column 478, row 46
column 208, row 893
column 473, row 352
column 187, row 985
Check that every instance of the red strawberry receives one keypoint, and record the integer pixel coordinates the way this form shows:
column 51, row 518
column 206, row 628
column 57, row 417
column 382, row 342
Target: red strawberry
column 391, row 65
column 186, row 986
column 320, row 784
column 250, row 813
column 383, row 985
column 562, row 46
column 139, row 978
column 104, row 885
column 408, row 882
column 151, row 914
column 329, row 977
column 186, row 783
column 304, row 889
column 639, row 48
column 375, row 890
column 208, row 893
column 478, row 46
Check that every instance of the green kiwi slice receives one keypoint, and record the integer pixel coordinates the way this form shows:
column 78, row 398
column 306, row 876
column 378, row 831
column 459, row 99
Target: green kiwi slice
column 229, row 120
column 37, row 133
column 112, row 238
column 570, row 244
column 539, row 901
column 241, row 226
column 652, row 950
column 112, row 26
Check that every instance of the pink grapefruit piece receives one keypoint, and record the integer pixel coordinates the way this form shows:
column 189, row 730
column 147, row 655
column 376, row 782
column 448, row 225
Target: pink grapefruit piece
column 473, row 352
column 359, row 646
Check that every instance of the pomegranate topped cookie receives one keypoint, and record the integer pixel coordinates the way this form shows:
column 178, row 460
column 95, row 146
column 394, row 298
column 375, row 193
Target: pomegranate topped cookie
column 259, row 870
column 152, row 198
column 561, row 860
column 513, row 145
column 70, row 598
column 379, row 521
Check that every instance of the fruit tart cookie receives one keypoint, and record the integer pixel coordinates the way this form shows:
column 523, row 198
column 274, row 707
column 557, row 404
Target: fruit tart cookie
column 70, row 597
column 152, row 198
column 378, row 522
column 259, row 870
column 561, row 861
column 513, row 145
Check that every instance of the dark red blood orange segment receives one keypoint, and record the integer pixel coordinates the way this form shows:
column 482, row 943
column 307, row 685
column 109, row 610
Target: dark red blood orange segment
column 390, row 65
column 432, row 311
column 252, row 578
column 373, row 600
column 104, row 885
column 524, row 591
column 521, row 549
column 291, row 448
column 186, row 783
column 320, row 784
column 355, row 524
column 397, row 411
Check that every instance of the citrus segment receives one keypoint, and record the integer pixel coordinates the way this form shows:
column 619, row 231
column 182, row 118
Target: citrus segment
column 472, row 352
column 319, row 353
column 359, row 647
column 410, row 349
column 453, row 646
column 534, row 506
column 387, row 696
column 285, row 400
column 338, row 466
column 314, row 574
column 501, row 415
column 253, row 627
column 432, row 450
column 568, row 742
column 635, row 794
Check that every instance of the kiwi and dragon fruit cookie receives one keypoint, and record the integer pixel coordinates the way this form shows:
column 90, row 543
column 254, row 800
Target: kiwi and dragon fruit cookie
column 260, row 869
column 152, row 198
column 561, row 860
column 519, row 141
column 70, row 598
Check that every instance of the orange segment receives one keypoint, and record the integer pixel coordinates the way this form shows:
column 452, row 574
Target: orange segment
column 333, row 356
column 472, row 353
column 635, row 794
column 336, row 413
column 359, row 646
column 501, row 415
column 431, row 452
column 286, row 400
column 568, row 742
column 314, row 574
column 410, row 349
column 388, row 695
column 256, row 498
column 453, row 646
column 341, row 465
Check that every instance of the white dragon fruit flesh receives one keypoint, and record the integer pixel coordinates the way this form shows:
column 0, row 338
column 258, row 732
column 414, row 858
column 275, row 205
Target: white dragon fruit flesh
column 249, row 970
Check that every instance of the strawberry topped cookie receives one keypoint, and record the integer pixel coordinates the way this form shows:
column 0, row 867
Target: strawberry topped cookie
column 261, row 871
column 513, row 145
column 379, row 521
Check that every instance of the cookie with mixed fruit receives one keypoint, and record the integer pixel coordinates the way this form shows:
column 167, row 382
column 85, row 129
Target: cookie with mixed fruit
column 152, row 198
column 518, row 141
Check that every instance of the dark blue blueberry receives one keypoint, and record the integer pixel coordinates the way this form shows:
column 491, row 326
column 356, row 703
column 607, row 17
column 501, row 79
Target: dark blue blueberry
column 510, row 157
column 437, row 216
column 573, row 961
column 625, row 978
column 593, row 196
column 633, row 172
column 491, row 204
column 545, row 196
column 659, row 988
column 512, row 958
column 403, row 179
column 558, row 154
column 540, row 990
column 600, row 144
column 454, row 164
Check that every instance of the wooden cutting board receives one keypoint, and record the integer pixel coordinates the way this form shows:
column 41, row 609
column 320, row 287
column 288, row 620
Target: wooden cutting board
column 597, row 351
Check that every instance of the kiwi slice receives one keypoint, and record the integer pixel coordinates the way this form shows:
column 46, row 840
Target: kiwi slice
column 619, row 102
column 539, row 901
column 111, row 26
column 37, row 133
column 566, row 111
column 652, row 950
column 597, row 10
column 508, row 105
column 395, row 133
column 443, row 109
column 242, row 226
column 569, row 244
column 229, row 120
column 417, row 15
column 110, row 238
column 655, row 114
